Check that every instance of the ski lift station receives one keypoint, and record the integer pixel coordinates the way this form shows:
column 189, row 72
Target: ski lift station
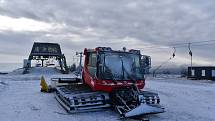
column 201, row 72
column 46, row 51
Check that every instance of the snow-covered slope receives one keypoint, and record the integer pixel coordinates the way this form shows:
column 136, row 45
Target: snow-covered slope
column 21, row 99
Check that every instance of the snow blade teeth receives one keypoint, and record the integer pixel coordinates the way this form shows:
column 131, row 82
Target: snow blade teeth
column 144, row 109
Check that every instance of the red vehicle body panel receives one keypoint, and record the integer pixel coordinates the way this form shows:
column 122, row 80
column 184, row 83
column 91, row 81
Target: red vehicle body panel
column 105, row 85
column 108, row 85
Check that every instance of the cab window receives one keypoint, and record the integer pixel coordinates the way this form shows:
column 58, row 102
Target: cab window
column 92, row 63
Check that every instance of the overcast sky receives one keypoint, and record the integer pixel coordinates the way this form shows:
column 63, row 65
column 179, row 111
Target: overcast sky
column 77, row 24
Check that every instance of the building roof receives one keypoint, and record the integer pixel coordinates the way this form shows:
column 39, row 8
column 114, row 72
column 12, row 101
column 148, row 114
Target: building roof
column 201, row 66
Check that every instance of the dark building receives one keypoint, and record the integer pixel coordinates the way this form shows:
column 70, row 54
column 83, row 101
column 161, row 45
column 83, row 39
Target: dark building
column 201, row 72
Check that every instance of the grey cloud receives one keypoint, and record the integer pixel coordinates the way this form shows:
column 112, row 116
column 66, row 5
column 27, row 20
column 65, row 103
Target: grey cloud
column 157, row 22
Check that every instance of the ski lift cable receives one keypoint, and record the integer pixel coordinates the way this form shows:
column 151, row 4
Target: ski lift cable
column 165, row 62
column 196, row 44
column 199, row 43
column 161, row 65
column 181, row 45
column 209, row 44
column 207, row 41
column 173, row 56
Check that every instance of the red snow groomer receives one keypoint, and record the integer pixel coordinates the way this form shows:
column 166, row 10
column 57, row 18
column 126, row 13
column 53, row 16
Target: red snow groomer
column 110, row 78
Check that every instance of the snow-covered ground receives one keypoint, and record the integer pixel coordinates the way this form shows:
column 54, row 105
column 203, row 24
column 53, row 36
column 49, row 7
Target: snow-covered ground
column 21, row 99
column 184, row 100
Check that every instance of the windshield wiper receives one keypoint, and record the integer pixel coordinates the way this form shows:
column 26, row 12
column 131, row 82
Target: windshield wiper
column 133, row 79
column 111, row 74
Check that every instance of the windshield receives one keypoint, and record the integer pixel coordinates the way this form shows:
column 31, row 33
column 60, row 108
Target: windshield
column 121, row 66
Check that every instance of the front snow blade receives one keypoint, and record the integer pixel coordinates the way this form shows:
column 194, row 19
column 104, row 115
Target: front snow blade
column 144, row 109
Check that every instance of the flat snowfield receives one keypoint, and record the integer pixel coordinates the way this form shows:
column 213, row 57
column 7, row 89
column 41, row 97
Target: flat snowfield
column 21, row 100
column 184, row 100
